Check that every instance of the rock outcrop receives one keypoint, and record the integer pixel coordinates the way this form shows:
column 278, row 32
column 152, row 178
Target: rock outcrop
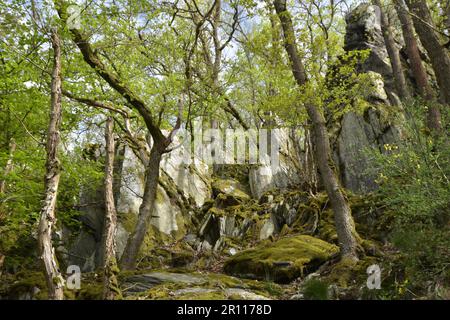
column 182, row 190
column 380, row 122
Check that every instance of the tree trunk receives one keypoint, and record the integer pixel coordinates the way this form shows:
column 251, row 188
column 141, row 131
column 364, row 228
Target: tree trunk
column 8, row 166
column 393, row 53
column 439, row 57
column 118, row 169
column 417, row 68
column 55, row 281
column 111, row 289
column 129, row 257
column 342, row 213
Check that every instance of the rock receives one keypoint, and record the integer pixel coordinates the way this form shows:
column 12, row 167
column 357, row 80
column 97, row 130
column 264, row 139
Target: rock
column 171, row 215
column 364, row 32
column 193, row 291
column 380, row 123
column 353, row 163
column 121, row 239
column 165, row 214
column 285, row 173
column 230, row 188
column 143, row 282
column 181, row 258
column 195, row 286
column 281, row 261
column 244, row 294
column 192, row 180
column 267, row 230
column 358, row 135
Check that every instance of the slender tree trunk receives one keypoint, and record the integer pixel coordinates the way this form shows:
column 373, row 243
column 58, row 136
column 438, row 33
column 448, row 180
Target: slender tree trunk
column 417, row 68
column 8, row 166
column 342, row 213
column 111, row 289
column 412, row 50
column 129, row 257
column 55, row 281
column 393, row 53
column 118, row 168
column 439, row 57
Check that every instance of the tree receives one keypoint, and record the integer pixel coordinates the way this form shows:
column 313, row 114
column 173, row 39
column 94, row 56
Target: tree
column 111, row 289
column 439, row 57
column 417, row 68
column 55, row 282
column 160, row 142
column 342, row 213
column 393, row 53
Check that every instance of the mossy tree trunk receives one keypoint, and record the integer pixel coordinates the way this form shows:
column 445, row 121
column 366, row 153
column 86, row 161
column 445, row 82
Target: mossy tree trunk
column 111, row 289
column 55, row 281
column 342, row 213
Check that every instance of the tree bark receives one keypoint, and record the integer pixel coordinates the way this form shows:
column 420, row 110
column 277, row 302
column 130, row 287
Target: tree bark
column 342, row 213
column 8, row 166
column 417, row 68
column 393, row 53
column 55, row 281
column 129, row 257
column 439, row 57
column 111, row 289
column 118, row 169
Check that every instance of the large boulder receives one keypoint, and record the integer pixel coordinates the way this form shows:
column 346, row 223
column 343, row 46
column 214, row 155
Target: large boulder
column 281, row 261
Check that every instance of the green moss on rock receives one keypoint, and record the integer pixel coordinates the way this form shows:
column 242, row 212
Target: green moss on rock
column 229, row 187
column 281, row 261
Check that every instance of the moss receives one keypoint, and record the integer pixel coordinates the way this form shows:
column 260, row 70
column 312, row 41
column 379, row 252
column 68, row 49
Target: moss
column 281, row 261
column 212, row 287
column 326, row 229
column 229, row 187
column 128, row 220
column 238, row 172
column 14, row 286
column 348, row 273
column 315, row 289
column 92, row 290
column 216, row 212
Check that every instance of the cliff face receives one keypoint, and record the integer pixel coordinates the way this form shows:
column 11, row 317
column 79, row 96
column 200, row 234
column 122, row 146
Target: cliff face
column 381, row 122
column 205, row 208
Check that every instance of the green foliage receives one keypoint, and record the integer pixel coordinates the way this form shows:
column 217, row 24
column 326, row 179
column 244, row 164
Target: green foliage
column 414, row 184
